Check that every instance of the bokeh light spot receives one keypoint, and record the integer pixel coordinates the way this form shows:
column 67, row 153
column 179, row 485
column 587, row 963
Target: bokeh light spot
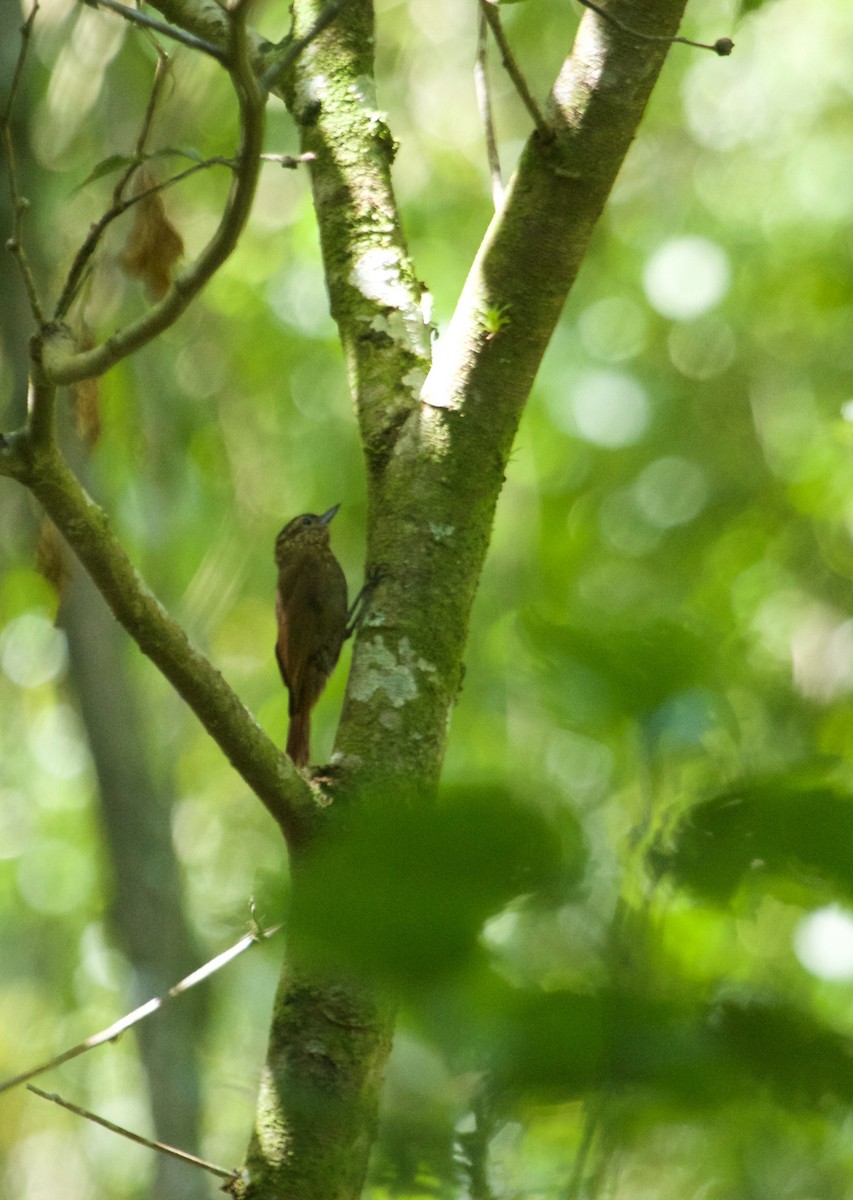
column 56, row 742
column 627, row 528
column 55, row 877
column 823, row 943
column 609, row 409
column 702, row 349
column 583, row 765
column 671, row 491
column 613, row 329
column 686, row 277
column 32, row 650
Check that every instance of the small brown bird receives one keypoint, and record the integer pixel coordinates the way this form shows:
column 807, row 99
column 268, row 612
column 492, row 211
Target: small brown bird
column 311, row 610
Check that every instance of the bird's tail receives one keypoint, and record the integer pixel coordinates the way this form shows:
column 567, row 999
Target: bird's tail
column 299, row 738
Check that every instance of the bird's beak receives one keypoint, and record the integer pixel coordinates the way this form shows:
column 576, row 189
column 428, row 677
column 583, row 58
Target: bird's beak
column 328, row 514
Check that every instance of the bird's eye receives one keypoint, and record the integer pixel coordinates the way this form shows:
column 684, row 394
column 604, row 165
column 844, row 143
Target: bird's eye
column 306, row 520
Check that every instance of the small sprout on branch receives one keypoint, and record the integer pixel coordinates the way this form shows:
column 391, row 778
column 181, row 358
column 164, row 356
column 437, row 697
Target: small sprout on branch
column 494, row 319
column 51, row 559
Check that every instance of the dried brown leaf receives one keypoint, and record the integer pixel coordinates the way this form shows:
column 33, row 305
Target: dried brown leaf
column 86, row 398
column 52, row 557
column 153, row 244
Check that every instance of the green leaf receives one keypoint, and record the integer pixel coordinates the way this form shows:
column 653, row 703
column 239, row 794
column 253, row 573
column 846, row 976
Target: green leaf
column 178, row 152
column 748, row 6
column 786, row 830
column 405, row 893
column 557, row 1045
column 624, row 672
column 114, row 162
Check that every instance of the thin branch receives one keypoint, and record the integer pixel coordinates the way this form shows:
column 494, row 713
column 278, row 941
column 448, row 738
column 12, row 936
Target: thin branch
column 77, row 271
column 293, row 49
column 288, row 798
column 78, row 268
column 147, row 120
column 63, row 367
column 490, row 12
column 484, row 103
column 26, row 30
column 289, row 161
column 170, row 31
column 20, row 204
column 32, row 458
column 41, row 410
column 160, row 1147
column 144, row 1010
column 722, row 46
column 14, row 454
column 14, row 244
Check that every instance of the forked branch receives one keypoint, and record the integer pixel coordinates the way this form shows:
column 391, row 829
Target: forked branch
column 63, row 366
column 160, row 27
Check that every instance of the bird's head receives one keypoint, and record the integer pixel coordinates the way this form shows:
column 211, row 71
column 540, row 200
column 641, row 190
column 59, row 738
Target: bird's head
column 304, row 531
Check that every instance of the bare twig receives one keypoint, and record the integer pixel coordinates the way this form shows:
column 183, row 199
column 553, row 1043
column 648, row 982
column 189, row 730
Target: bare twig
column 722, row 46
column 170, row 31
column 484, row 103
column 26, row 30
column 160, row 1147
column 19, row 203
column 289, row 161
column 490, row 12
column 145, row 1010
column 150, row 108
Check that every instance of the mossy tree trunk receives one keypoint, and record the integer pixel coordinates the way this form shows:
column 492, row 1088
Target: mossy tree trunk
column 437, row 428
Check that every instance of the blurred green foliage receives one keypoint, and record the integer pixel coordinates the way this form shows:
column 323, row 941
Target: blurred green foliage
column 611, row 934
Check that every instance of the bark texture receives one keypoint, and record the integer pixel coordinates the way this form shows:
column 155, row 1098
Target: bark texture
column 436, row 445
column 436, row 442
